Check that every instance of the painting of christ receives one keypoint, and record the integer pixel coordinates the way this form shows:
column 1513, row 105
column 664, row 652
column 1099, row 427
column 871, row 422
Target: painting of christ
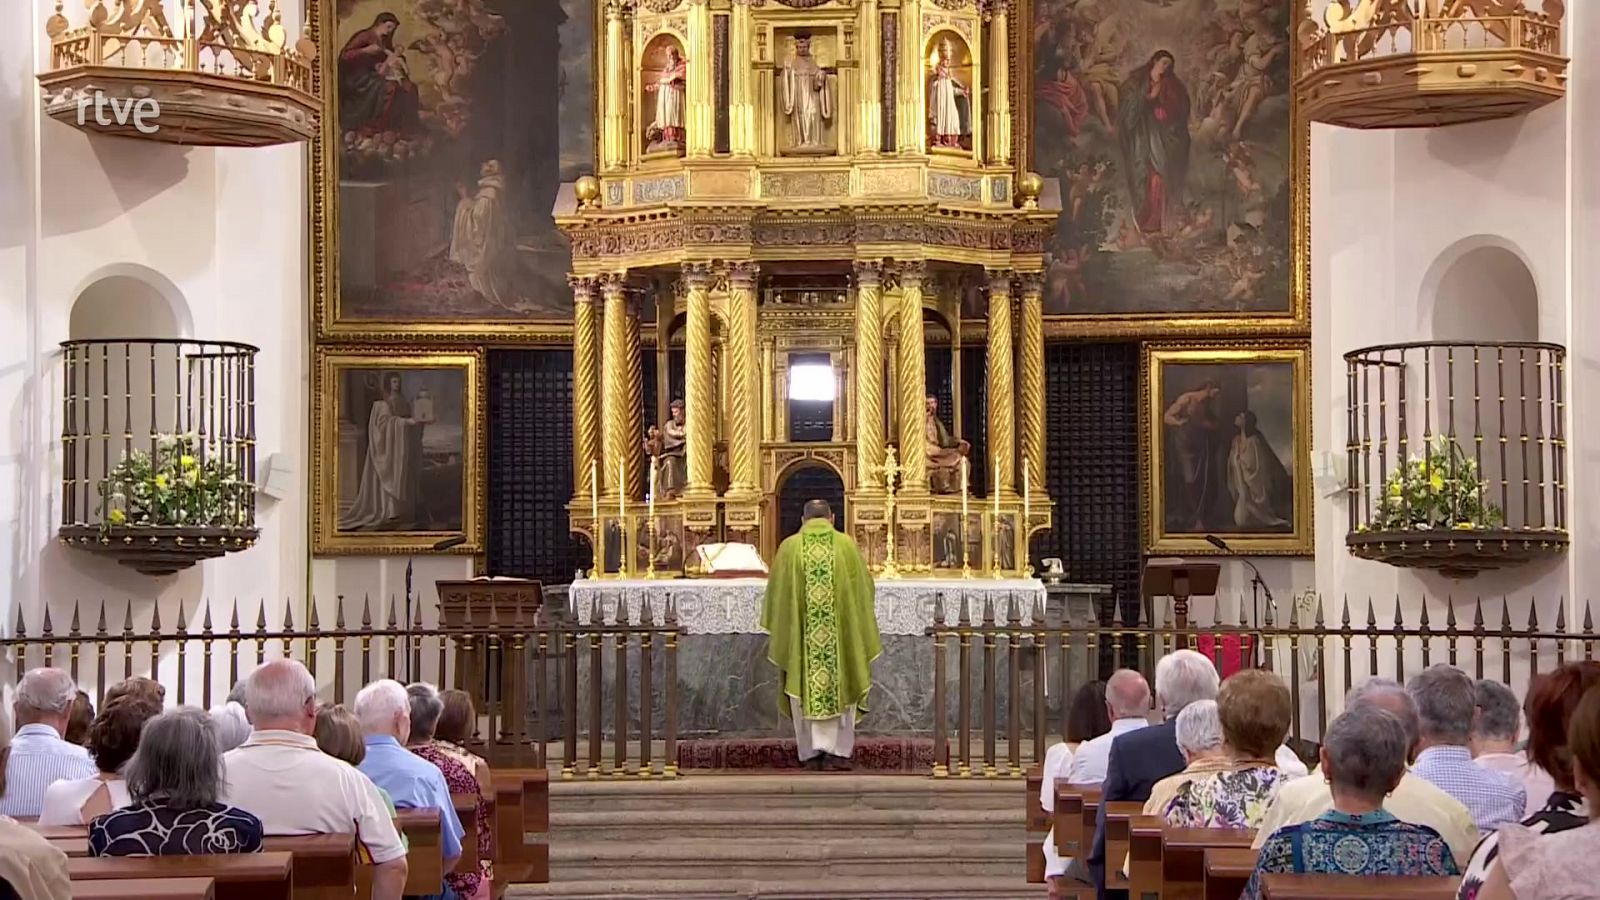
column 456, row 123
column 1171, row 130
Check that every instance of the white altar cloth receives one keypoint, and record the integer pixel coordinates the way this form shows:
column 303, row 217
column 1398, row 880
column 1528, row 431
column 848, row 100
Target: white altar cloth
column 733, row 605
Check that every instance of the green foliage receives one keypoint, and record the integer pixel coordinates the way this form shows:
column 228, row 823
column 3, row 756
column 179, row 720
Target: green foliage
column 1440, row 489
column 175, row 486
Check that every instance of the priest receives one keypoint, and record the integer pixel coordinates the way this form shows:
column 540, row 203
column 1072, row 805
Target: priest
column 823, row 629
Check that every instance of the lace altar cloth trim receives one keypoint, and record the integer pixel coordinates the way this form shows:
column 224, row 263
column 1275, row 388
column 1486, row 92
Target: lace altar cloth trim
column 733, row 605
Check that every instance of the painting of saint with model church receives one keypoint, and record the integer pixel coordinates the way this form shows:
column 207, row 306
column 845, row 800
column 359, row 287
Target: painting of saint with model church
column 457, row 120
column 1169, row 127
column 1229, row 448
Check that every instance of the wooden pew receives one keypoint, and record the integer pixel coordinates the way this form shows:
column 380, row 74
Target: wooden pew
column 466, row 807
column 1038, row 823
column 1346, row 887
column 238, row 876
column 1144, row 857
column 1228, row 870
column 521, row 807
column 1119, row 821
column 425, row 859
column 146, row 889
column 1183, row 861
column 325, row 866
column 1081, row 830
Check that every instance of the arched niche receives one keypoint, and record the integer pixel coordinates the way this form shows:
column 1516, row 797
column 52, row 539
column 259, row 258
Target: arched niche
column 127, row 300
column 662, row 103
column 947, row 58
column 1479, row 291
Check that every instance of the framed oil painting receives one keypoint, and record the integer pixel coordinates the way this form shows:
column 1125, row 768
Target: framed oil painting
column 1182, row 163
column 398, row 452
column 1228, row 448
column 448, row 130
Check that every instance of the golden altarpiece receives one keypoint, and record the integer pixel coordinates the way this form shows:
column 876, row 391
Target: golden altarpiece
column 799, row 179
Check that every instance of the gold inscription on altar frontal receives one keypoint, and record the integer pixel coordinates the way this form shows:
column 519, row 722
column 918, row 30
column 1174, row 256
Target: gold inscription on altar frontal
column 805, row 184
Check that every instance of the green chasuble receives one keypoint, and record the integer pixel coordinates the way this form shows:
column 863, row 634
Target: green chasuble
column 822, row 622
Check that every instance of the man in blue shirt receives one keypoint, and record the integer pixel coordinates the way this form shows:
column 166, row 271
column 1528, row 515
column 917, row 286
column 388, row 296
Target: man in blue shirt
column 411, row 781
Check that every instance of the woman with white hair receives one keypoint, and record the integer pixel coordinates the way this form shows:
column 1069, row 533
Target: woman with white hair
column 1200, row 741
column 176, row 780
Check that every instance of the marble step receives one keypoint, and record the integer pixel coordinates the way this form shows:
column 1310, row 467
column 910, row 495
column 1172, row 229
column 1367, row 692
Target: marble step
column 732, row 824
column 793, row 858
column 788, row 791
column 913, row 887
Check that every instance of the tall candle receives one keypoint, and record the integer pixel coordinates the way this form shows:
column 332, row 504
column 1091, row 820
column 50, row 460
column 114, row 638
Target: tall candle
column 651, row 512
column 622, row 495
column 996, row 493
column 1026, row 490
column 594, row 491
column 965, row 489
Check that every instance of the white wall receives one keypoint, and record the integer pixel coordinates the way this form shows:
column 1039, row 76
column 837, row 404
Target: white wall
column 1388, row 208
column 225, row 232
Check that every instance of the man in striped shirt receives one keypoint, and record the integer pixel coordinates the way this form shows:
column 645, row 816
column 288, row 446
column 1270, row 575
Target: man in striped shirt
column 39, row 757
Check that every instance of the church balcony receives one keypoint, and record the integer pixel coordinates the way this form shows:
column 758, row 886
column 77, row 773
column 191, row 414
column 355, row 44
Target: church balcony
column 1413, row 64
column 158, row 450
column 228, row 80
column 1457, row 454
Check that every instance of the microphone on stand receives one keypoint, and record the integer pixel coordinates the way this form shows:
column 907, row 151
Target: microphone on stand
column 438, row 546
column 1258, row 585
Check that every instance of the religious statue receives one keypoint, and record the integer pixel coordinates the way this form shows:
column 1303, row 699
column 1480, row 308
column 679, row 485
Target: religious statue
column 668, row 444
column 806, row 103
column 949, row 105
column 666, row 131
column 945, row 451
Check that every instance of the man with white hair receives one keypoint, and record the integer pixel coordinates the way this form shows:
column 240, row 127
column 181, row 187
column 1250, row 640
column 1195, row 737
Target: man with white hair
column 1144, row 756
column 39, row 757
column 1413, row 799
column 384, row 709
column 1128, row 705
column 281, row 777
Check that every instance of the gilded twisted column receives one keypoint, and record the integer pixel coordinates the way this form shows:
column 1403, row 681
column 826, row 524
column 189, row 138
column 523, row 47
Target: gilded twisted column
column 869, row 377
column 633, row 373
column 1002, row 396
column 912, row 381
column 744, row 396
column 1030, row 385
column 700, row 409
column 614, row 390
column 585, row 383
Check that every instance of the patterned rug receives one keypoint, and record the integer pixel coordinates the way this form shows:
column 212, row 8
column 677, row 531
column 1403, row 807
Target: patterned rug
column 873, row 754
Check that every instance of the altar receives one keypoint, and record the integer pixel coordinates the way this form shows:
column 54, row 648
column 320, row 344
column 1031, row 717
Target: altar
column 727, row 687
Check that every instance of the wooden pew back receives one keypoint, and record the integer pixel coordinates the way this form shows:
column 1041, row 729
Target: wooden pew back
column 1228, row 869
column 1183, row 858
column 146, row 889
column 521, row 808
column 1038, row 822
column 425, row 858
column 238, row 876
column 1144, row 856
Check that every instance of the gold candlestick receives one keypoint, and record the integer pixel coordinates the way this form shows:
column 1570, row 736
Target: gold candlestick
column 966, row 490
column 594, row 518
column 994, row 530
column 624, row 551
column 890, row 469
column 650, row 521
column 1024, row 565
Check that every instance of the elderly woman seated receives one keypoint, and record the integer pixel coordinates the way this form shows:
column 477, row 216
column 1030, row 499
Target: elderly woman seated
column 1363, row 757
column 175, row 779
column 1253, row 708
column 1199, row 734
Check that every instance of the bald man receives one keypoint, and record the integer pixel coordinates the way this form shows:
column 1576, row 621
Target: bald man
column 1128, row 705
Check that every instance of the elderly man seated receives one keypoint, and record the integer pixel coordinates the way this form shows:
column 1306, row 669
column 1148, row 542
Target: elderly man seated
column 281, row 777
column 39, row 756
column 412, row 782
column 1447, row 703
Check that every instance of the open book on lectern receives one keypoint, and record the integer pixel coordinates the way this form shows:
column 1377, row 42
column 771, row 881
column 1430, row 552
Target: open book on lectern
column 730, row 561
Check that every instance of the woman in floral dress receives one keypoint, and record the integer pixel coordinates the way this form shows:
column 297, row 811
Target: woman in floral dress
column 1254, row 708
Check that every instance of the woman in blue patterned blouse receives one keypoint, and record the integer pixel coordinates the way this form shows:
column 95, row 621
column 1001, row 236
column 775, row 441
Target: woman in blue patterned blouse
column 1363, row 757
column 175, row 778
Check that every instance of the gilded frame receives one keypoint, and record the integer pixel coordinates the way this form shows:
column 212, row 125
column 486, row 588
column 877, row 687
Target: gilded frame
column 1299, row 542
column 326, row 539
column 322, row 232
column 1295, row 323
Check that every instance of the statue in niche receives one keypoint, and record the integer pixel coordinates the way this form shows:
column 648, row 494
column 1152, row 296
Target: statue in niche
column 666, row 130
column 949, row 103
column 667, row 444
column 945, row 452
column 806, row 101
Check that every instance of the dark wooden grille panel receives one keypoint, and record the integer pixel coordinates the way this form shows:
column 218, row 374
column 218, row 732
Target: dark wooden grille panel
column 530, row 466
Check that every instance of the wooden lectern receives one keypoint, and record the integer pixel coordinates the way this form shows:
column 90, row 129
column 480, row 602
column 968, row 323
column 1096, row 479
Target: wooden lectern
column 1179, row 579
column 495, row 680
